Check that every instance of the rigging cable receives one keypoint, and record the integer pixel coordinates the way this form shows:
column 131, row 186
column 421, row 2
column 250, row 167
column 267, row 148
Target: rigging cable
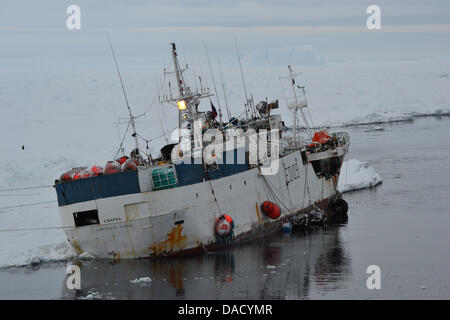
column 215, row 88
column 123, row 139
column 34, row 229
column 273, row 193
column 224, row 92
column 27, row 204
column 273, row 188
column 214, row 195
column 27, row 188
column 124, row 92
column 205, row 170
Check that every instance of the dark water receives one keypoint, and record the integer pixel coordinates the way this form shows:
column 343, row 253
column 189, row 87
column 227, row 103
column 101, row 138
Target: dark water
column 403, row 226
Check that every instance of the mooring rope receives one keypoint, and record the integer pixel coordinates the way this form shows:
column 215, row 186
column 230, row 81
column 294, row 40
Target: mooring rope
column 274, row 195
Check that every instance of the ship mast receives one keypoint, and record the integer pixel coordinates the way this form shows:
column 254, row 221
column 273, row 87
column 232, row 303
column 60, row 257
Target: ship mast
column 178, row 74
column 187, row 101
column 133, row 126
column 297, row 106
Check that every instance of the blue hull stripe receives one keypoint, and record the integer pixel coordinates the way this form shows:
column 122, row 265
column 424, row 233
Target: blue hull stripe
column 123, row 183
column 105, row 186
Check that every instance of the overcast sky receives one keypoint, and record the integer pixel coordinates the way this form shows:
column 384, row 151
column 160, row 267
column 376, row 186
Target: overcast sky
column 34, row 33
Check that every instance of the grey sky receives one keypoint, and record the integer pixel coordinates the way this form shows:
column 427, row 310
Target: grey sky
column 34, row 32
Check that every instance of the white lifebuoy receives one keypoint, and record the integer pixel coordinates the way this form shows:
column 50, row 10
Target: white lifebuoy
column 223, row 228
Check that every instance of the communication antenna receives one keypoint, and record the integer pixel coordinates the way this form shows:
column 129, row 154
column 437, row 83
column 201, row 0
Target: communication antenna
column 126, row 101
column 201, row 84
column 224, row 92
column 242, row 76
column 214, row 84
column 164, row 129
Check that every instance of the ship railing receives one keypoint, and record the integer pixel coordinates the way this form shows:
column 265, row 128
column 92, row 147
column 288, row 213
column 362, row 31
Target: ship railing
column 291, row 143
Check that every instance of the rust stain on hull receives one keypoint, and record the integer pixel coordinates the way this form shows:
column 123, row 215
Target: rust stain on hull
column 77, row 247
column 175, row 240
column 266, row 229
column 257, row 212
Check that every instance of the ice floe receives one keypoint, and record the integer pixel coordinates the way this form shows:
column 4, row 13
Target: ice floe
column 356, row 175
column 142, row 281
column 50, row 253
column 86, row 256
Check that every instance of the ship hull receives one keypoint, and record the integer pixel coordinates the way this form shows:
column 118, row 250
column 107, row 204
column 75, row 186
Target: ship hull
column 182, row 220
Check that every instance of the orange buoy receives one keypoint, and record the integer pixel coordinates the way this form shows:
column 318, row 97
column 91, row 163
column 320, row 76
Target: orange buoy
column 271, row 209
column 66, row 176
column 73, row 174
column 85, row 174
column 228, row 218
column 76, row 175
column 96, row 171
column 112, row 167
column 129, row 165
column 122, row 159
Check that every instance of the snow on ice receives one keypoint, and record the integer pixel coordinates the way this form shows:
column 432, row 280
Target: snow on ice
column 356, row 175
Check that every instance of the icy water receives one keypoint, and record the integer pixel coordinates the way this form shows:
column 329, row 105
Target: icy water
column 401, row 226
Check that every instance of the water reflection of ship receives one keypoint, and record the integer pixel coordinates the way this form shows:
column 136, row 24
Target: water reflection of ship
column 278, row 267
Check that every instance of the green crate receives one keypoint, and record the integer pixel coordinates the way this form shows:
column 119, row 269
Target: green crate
column 164, row 178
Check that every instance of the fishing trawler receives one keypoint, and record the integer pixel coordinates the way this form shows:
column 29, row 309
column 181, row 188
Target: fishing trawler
column 218, row 184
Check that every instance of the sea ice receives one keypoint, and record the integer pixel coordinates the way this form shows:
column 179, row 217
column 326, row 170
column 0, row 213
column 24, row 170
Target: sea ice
column 357, row 175
column 86, row 256
column 143, row 280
